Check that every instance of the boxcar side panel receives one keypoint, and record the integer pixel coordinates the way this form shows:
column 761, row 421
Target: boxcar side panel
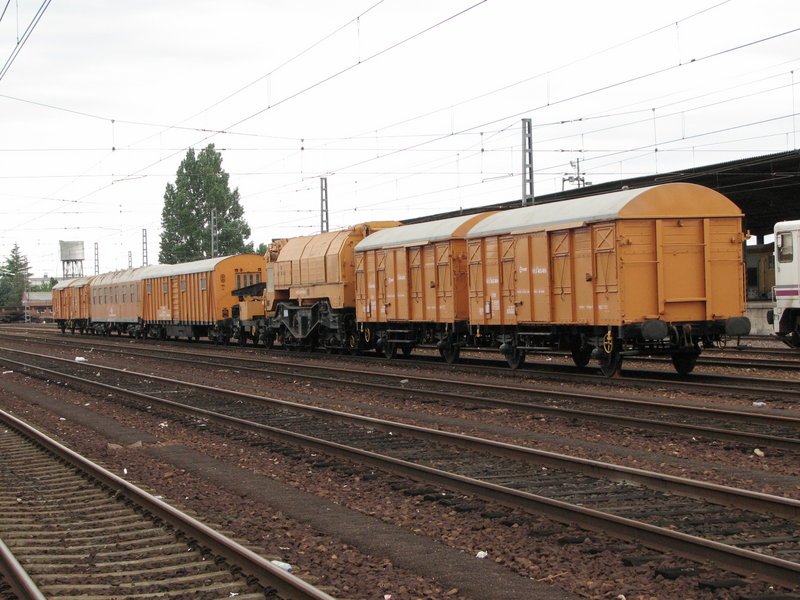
column 428, row 307
column 478, row 303
column 561, row 275
column 508, row 280
column 362, row 297
column 492, row 280
column 460, row 289
column 605, row 274
column 726, row 277
column 638, row 268
column 583, row 277
column 541, row 286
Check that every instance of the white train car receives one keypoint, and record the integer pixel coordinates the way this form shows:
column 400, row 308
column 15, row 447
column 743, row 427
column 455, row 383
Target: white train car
column 786, row 315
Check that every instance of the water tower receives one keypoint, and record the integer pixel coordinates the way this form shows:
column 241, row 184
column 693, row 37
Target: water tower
column 71, row 259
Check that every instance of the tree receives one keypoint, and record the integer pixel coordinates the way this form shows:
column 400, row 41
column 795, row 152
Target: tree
column 44, row 287
column 199, row 196
column 14, row 276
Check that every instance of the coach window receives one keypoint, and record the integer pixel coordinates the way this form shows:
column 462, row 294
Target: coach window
column 149, row 288
column 163, row 287
column 785, row 250
column 116, row 294
column 105, row 295
column 203, row 284
column 124, row 293
column 183, row 285
column 133, row 293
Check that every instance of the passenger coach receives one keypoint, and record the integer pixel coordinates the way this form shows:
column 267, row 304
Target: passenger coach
column 191, row 300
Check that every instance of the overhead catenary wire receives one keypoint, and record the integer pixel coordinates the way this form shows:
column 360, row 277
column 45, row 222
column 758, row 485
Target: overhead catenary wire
column 388, row 169
column 24, row 38
column 298, row 93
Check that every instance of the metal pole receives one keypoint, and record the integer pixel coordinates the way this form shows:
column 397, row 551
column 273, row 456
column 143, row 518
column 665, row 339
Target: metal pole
column 323, row 207
column 527, row 162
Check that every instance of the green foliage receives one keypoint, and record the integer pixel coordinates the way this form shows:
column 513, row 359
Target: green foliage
column 201, row 186
column 14, row 276
column 45, row 287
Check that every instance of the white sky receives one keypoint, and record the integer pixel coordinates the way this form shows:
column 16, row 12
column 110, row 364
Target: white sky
column 409, row 107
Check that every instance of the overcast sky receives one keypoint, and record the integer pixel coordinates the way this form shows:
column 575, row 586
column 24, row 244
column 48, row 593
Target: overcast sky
column 407, row 107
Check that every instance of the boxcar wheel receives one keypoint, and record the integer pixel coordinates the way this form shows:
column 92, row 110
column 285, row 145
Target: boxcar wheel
column 269, row 341
column 581, row 355
column 610, row 363
column 450, row 353
column 516, row 358
column 390, row 350
column 684, row 362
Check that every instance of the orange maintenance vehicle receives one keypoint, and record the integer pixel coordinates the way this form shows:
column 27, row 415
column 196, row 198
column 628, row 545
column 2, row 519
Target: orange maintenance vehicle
column 656, row 270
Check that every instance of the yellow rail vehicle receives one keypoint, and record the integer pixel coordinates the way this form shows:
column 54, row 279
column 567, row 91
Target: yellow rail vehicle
column 656, row 270
column 71, row 304
column 189, row 300
column 310, row 289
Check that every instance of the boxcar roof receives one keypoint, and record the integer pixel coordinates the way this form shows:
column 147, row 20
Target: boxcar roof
column 419, row 233
column 74, row 282
column 671, row 200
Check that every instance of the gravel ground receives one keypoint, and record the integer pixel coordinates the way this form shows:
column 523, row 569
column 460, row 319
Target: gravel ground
column 186, row 468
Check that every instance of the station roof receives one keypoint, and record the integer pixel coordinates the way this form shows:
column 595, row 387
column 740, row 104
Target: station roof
column 765, row 188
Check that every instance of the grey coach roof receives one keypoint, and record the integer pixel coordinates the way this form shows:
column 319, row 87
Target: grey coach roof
column 151, row 272
column 589, row 208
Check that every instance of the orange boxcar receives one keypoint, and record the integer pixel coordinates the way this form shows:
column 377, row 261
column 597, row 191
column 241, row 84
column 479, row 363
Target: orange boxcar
column 412, row 286
column 656, row 269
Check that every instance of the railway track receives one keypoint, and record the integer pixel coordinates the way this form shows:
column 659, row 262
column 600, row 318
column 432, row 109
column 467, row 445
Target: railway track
column 742, row 531
column 762, row 388
column 83, row 532
column 752, row 427
column 744, row 358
